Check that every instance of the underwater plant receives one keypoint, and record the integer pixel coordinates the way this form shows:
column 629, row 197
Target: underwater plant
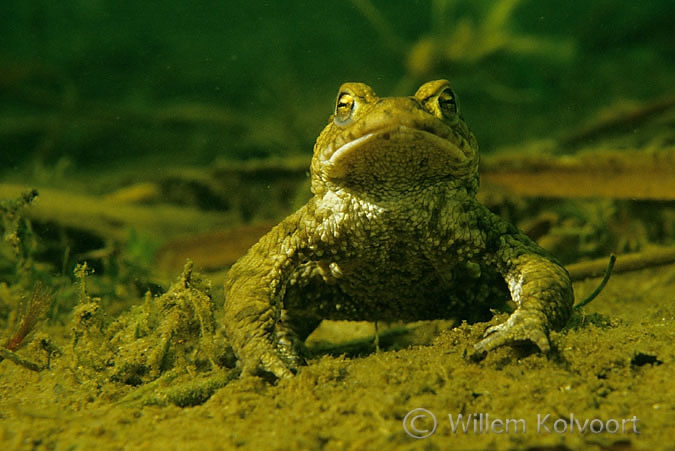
column 455, row 38
column 18, row 242
column 36, row 306
column 461, row 40
column 17, row 248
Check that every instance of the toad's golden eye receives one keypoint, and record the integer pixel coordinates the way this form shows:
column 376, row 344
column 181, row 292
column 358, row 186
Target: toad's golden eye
column 448, row 103
column 344, row 107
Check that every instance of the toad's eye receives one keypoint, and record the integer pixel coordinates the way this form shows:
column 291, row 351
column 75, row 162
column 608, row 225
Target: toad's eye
column 448, row 103
column 344, row 107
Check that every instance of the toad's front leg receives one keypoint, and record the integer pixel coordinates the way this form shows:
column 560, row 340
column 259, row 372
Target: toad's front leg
column 541, row 289
column 258, row 339
column 254, row 317
column 255, row 329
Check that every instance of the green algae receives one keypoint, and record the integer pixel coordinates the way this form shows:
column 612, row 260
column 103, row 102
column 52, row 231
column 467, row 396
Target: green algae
column 174, row 332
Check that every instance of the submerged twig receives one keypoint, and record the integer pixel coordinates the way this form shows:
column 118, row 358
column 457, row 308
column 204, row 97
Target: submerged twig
column 9, row 355
column 625, row 263
column 628, row 262
column 622, row 120
column 603, row 282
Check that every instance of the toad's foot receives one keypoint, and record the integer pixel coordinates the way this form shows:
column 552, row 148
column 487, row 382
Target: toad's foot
column 522, row 325
column 278, row 355
column 271, row 363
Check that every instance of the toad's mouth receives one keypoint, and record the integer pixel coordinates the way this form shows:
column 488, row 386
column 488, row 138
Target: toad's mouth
column 345, row 148
column 400, row 154
column 396, row 133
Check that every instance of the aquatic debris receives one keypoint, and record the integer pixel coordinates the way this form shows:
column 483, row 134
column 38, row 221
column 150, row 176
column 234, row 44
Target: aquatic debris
column 112, row 220
column 603, row 282
column 591, row 173
column 180, row 389
column 641, row 359
column 628, row 262
column 617, row 119
column 17, row 255
column 211, row 250
column 172, row 332
column 625, row 263
column 14, row 225
column 168, row 347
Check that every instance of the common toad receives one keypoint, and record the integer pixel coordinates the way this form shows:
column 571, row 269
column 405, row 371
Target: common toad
column 393, row 232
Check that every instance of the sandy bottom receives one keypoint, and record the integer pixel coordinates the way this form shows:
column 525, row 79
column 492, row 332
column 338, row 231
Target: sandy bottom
column 608, row 385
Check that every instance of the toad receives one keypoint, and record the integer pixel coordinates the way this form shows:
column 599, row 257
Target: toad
column 393, row 232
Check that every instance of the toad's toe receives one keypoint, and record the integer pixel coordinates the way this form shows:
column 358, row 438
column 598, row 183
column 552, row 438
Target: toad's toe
column 520, row 326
